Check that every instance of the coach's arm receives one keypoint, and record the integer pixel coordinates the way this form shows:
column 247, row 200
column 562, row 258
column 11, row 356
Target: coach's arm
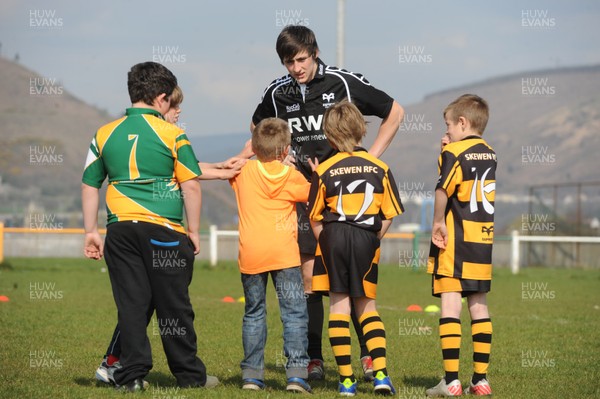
column 387, row 130
column 93, row 247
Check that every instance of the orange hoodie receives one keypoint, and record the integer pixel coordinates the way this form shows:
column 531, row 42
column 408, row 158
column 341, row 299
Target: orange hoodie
column 266, row 194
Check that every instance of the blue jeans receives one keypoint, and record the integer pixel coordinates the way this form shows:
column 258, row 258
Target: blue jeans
column 289, row 288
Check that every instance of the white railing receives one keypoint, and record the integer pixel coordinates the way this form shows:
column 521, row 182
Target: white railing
column 516, row 240
column 214, row 235
column 214, row 240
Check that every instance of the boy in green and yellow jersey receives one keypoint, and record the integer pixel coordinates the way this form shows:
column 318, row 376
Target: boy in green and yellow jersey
column 152, row 174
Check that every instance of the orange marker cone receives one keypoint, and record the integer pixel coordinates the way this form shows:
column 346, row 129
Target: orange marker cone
column 228, row 299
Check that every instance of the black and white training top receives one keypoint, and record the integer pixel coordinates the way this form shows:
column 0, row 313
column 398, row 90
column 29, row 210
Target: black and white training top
column 303, row 106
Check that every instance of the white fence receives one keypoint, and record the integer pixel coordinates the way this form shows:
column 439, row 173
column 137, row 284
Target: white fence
column 516, row 239
column 213, row 241
column 403, row 249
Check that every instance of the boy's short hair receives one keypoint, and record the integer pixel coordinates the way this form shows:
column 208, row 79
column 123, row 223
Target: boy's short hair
column 176, row 97
column 472, row 107
column 270, row 139
column 344, row 126
column 294, row 39
column 148, row 80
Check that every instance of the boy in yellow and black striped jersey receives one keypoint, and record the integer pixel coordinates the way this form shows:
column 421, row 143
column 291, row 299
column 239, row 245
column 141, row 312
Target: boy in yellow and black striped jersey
column 460, row 258
column 352, row 199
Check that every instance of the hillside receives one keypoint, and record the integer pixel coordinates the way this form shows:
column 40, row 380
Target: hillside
column 544, row 126
column 45, row 136
column 558, row 116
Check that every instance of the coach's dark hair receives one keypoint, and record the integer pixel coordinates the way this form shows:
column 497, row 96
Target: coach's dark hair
column 294, row 39
column 148, row 80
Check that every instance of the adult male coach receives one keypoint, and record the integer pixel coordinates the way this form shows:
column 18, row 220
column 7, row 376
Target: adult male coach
column 152, row 173
column 301, row 98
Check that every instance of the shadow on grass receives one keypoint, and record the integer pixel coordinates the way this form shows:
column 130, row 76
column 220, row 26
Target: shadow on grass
column 420, row 381
column 276, row 383
column 88, row 382
column 270, row 383
column 153, row 378
column 157, row 378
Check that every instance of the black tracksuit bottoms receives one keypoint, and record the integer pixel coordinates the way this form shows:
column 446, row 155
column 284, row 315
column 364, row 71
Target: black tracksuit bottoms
column 150, row 269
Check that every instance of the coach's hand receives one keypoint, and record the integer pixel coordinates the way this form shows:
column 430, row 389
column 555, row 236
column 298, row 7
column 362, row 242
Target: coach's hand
column 93, row 246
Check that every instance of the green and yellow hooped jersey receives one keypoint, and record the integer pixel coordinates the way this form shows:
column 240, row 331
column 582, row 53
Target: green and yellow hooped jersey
column 145, row 159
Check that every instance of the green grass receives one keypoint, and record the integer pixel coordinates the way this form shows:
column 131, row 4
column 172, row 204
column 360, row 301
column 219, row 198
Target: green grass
column 546, row 339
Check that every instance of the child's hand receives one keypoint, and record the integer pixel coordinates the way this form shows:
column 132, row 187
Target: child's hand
column 289, row 160
column 313, row 165
column 93, row 247
column 195, row 240
column 233, row 163
column 445, row 140
column 439, row 235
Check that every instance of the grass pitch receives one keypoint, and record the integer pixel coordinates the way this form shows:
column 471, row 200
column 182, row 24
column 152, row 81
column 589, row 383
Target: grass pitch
column 60, row 315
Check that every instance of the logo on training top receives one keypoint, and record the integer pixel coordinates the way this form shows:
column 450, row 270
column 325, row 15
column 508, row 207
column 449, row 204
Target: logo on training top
column 327, row 99
column 320, row 69
column 487, row 230
column 292, row 108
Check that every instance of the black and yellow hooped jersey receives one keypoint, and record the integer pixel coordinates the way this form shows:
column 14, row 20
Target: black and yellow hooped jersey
column 355, row 188
column 467, row 171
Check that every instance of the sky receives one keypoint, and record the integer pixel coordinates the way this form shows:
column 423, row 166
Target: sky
column 223, row 51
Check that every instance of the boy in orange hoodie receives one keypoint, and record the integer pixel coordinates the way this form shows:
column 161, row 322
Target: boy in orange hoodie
column 266, row 192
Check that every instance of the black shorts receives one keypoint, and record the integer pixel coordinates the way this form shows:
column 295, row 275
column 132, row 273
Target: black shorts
column 306, row 238
column 441, row 284
column 347, row 261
